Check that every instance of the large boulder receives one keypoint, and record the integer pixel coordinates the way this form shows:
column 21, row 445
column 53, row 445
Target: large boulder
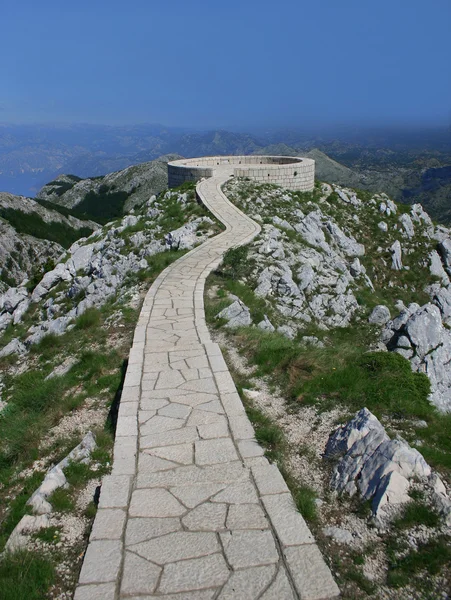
column 374, row 465
column 425, row 329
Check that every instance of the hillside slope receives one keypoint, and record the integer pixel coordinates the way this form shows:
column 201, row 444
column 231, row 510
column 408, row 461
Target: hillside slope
column 111, row 195
column 339, row 312
column 32, row 235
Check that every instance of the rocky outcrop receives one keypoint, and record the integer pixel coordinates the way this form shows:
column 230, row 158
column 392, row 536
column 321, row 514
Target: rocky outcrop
column 378, row 468
column 23, row 255
column 39, row 501
column 419, row 335
column 95, row 268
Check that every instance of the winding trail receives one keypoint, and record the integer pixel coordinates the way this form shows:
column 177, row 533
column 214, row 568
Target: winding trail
column 192, row 509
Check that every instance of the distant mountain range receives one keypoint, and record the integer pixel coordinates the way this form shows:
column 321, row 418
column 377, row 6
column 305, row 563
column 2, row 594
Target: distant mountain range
column 411, row 166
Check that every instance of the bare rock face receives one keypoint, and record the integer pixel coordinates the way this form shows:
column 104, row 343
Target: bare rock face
column 436, row 267
column 373, row 465
column 407, row 225
column 396, row 251
column 347, row 244
column 445, row 250
column 418, row 334
column 15, row 346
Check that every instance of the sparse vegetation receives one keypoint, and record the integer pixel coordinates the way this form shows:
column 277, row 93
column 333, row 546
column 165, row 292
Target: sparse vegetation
column 33, row 224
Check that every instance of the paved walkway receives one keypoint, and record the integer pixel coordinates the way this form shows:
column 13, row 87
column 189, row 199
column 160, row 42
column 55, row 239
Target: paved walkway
column 192, row 509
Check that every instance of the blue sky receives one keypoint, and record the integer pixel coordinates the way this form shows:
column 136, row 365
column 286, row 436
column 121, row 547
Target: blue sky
column 226, row 63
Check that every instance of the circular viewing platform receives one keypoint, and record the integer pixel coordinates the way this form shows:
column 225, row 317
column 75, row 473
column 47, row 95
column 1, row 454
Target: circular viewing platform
column 291, row 172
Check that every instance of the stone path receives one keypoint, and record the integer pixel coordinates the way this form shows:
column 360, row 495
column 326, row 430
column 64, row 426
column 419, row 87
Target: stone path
column 192, row 509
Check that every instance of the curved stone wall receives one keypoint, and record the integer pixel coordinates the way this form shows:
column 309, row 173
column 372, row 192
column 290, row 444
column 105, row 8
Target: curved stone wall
column 293, row 173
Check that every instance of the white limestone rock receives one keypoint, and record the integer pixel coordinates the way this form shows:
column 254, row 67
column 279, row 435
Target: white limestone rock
column 28, row 524
column 20, row 310
column 380, row 315
column 436, row 267
column 81, row 258
column 12, row 298
column 374, row 465
column 391, row 492
column 310, row 228
column 15, row 346
column 346, row 435
column 441, row 297
column 287, row 331
column 346, row 243
column 266, row 325
column 236, row 315
column 396, row 251
column 444, row 248
column 407, row 225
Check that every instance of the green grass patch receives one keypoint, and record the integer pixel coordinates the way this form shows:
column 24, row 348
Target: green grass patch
column 235, row 263
column 62, row 501
column 417, row 513
column 412, row 566
column 78, row 473
column 25, row 576
column 89, row 319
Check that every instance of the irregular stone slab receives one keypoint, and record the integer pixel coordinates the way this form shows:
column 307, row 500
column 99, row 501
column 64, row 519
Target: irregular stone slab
column 180, row 545
column 155, row 503
column 139, row 576
column 249, row 548
column 206, row 517
column 180, row 453
column 104, row 591
column 194, row 494
column 249, row 583
column 210, row 452
column 238, row 493
column 246, row 516
column 152, row 464
column 194, row 574
column 281, row 588
column 142, row 529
